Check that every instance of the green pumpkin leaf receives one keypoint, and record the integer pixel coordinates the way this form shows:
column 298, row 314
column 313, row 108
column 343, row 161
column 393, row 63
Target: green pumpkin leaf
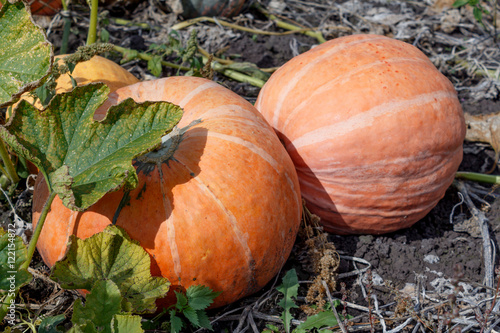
column 87, row 327
column 26, row 54
column 322, row 319
column 154, row 66
column 112, row 255
column 13, row 254
column 127, row 324
column 49, row 324
column 101, row 305
column 289, row 288
column 81, row 158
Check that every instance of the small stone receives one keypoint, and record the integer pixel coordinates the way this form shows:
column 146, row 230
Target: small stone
column 431, row 259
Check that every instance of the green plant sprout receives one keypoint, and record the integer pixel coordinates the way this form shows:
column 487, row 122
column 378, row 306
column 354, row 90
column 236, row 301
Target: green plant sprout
column 189, row 309
column 478, row 10
column 289, row 290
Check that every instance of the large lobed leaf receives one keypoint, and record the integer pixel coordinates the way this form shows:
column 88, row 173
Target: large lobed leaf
column 13, row 254
column 25, row 54
column 83, row 159
column 112, row 255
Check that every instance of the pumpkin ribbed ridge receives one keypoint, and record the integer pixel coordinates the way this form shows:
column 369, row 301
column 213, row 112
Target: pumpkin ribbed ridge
column 374, row 130
column 223, row 210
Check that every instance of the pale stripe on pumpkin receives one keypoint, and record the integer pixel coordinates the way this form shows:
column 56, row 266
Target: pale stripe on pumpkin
column 429, row 183
column 334, row 172
column 299, row 75
column 261, row 153
column 198, row 90
column 345, row 78
column 365, row 119
column 248, row 116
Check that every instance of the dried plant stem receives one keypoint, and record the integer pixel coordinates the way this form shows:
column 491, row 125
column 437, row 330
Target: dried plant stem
column 291, row 28
column 329, row 296
column 483, row 222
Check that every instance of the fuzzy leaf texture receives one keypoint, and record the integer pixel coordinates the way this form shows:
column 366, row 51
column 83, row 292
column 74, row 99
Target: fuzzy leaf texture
column 101, row 305
column 49, row 324
column 289, row 288
column 200, row 297
column 127, row 324
column 13, row 254
column 176, row 323
column 112, row 255
column 322, row 319
column 25, row 52
column 83, row 159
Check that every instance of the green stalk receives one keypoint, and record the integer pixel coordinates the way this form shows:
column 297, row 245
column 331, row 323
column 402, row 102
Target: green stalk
column 66, row 29
column 129, row 23
column 7, row 162
column 478, row 177
column 31, row 250
column 235, row 75
column 92, row 34
column 238, row 76
column 147, row 57
column 38, row 229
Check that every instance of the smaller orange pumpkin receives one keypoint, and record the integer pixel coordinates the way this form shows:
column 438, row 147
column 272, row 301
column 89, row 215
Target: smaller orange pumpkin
column 97, row 69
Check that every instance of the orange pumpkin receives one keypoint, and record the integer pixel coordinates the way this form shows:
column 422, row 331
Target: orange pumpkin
column 97, row 69
column 218, row 204
column 374, row 129
column 43, row 7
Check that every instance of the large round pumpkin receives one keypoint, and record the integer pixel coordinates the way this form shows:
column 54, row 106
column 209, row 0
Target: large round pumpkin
column 218, row 204
column 374, row 129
